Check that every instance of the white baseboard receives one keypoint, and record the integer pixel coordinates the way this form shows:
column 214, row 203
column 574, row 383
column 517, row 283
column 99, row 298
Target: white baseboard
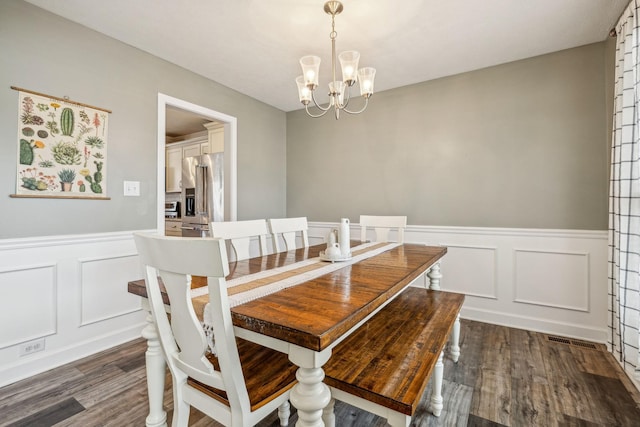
column 535, row 324
column 41, row 362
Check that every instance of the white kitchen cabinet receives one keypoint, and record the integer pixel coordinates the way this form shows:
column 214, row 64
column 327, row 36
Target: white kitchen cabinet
column 173, row 174
column 174, row 154
column 216, row 137
column 191, row 150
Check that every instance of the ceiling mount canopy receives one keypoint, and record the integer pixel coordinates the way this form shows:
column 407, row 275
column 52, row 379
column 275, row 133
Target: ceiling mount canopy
column 339, row 90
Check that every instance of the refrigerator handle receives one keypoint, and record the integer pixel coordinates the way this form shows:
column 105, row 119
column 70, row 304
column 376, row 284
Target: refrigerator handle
column 201, row 179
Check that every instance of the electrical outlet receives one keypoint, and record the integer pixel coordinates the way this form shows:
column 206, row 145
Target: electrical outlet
column 31, row 347
column 132, row 188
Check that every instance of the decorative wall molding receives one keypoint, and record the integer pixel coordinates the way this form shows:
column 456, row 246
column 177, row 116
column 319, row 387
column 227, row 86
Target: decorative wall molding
column 548, row 279
column 481, row 263
column 99, row 301
column 75, row 298
column 480, row 274
column 552, row 281
column 34, row 309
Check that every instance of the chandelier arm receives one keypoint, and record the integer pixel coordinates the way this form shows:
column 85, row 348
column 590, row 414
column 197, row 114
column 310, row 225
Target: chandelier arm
column 315, row 116
column 347, row 89
column 366, row 102
column 313, row 97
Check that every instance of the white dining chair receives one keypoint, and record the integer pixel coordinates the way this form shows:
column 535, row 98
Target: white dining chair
column 243, row 382
column 289, row 229
column 240, row 234
column 382, row 225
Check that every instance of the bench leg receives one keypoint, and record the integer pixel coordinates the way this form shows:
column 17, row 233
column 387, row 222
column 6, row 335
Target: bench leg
column 436, row 394
column 455, row 340
column 328, row 417
column 284, row 411
column 434, row 276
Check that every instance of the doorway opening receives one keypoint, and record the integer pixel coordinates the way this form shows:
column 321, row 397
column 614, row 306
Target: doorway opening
column 229, row 124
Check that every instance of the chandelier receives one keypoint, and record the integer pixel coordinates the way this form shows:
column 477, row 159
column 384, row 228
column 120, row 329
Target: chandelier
column 339, row 91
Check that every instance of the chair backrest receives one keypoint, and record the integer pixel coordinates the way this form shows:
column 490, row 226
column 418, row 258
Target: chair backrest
column 174, row 260
column 289, row 228
column 381, row 226
column 240, row 234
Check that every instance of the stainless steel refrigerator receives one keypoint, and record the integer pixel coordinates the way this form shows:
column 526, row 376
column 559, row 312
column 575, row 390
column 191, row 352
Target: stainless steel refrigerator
column 202, row 193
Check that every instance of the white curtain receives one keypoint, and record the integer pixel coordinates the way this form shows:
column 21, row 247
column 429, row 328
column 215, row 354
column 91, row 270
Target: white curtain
column 624, row 198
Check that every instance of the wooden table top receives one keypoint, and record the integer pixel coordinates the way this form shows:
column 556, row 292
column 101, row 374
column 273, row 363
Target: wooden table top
column 316, row 313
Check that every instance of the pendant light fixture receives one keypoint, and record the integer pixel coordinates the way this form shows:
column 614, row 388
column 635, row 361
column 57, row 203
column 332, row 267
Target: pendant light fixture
column 339, row 90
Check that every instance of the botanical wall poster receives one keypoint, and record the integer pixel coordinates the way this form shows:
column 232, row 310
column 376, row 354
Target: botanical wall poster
column 62, row 148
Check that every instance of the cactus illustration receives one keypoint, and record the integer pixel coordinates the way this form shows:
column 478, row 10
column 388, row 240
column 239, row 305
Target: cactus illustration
column 66, row 121
column 66, row 175
column 97, row 178
column 66, row 153
column 26, row 150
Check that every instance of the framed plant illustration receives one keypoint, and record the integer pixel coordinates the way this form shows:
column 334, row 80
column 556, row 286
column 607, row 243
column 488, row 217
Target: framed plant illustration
column 62, row 148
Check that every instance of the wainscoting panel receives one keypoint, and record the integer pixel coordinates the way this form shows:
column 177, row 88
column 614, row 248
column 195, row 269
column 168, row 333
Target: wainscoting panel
column 75, row 294
column 553, row 279
column 74, row 299
column 101, row 283
column 28, row 303
column 479, row 275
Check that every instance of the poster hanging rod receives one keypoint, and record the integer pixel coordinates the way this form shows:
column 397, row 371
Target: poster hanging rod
column 65, row 99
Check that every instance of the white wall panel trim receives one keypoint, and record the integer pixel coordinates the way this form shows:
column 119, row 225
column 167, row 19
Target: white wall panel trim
column 578, row 289
column 525, row 297
column 47, row 325
column 26, row 267
column 83, row 280
column 75, row 239
column 523, row 232
column 489, row 231
column 494, row 270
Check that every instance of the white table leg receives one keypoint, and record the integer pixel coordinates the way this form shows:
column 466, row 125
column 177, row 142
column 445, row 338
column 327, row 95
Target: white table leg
column 436, row 394
column 155, row 375
column 310, row 395
column 434, row 276
column 455, row 340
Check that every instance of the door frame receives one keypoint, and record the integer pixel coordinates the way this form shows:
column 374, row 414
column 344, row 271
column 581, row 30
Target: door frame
column 230, row 153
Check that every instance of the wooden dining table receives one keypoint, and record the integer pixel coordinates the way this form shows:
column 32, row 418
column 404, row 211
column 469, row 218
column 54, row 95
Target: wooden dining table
column 307, row 320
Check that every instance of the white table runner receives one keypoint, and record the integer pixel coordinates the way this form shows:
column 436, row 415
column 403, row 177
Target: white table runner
column 264, row 290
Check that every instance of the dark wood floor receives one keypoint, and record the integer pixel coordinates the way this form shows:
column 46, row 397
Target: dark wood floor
column 505, row 377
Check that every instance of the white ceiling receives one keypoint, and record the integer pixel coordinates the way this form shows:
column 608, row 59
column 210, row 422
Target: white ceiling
column 180, row 122
column 253, row 46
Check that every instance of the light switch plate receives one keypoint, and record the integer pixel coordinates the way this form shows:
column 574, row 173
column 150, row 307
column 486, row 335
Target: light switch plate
column 132, row 188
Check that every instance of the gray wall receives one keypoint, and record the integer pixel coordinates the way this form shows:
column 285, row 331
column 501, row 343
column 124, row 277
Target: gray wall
column 517, row 145
column 46, row 53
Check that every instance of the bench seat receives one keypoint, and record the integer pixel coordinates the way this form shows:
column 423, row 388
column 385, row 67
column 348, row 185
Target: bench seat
column 385, row 365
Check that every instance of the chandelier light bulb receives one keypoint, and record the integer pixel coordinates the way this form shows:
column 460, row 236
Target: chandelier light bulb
column 304, row 93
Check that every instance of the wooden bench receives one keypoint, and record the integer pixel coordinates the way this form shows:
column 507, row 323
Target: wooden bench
column 385, row 365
